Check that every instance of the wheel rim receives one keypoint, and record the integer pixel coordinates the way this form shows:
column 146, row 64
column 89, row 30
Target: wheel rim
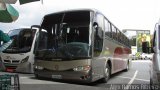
column 107, row 72
column 127, row 66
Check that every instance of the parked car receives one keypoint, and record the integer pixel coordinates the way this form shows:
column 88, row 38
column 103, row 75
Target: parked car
column 146, row 56
column 134, row 57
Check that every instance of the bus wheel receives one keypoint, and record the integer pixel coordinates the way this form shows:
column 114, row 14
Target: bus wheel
column 107, row 73
column 37, row 76
column 151, row 84
column 127, row 67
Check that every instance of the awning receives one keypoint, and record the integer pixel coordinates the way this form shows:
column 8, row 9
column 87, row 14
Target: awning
column 26, row 1
column 8, row 14
column 20, row 1
column 9, row 1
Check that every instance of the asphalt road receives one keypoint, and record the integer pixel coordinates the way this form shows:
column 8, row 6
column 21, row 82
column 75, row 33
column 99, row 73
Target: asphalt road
column 137, row 78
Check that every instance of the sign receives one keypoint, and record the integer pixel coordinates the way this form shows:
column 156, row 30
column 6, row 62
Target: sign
column 9, row 82
column 142, row 36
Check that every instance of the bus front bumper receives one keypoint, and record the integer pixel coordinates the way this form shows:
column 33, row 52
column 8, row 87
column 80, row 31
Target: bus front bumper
column 73, row 76
column 22, row 67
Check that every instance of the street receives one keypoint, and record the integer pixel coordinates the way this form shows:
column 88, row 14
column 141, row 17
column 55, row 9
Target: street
column 138, row 74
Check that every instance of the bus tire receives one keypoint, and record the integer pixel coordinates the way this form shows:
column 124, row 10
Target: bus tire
column 151, row 84
column 107, row 74
column 127, row 67
column 37, row 76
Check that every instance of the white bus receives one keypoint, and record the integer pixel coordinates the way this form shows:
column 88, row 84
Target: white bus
column 80, row 45
column 19, row 57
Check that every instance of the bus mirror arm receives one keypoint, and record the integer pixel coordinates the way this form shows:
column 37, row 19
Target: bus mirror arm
column 35, row 26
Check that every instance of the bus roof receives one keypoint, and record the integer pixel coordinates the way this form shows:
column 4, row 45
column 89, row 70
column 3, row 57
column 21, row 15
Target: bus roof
column 72, row 10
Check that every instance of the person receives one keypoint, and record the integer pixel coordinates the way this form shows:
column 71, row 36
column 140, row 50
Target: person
column 5, row 41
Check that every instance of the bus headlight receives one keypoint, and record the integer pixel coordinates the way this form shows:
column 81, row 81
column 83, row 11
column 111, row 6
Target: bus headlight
column 82, row 68
column 25, row 59
column 39, row 67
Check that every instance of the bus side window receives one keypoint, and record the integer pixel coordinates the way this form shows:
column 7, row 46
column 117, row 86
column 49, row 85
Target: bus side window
column 118, row 35
column 107, row 29
column 121, row 38
column 114, row 33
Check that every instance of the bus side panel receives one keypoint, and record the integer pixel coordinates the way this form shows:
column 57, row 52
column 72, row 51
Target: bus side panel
column 98, row 67
column 113, row 51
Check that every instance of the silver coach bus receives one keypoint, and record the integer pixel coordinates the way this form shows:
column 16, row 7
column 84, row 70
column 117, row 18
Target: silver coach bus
column 80, row 45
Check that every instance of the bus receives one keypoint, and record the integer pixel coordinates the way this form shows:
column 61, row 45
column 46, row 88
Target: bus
column 155, row 62
column 19, row 57
column 80, row 45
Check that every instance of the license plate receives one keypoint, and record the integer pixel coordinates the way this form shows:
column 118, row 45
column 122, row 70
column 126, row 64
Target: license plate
column 57, row 76
column 9, row 70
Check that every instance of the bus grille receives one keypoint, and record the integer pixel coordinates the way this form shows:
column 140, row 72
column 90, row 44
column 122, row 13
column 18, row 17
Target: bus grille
column 7, row 61
column 12, row 61
column 15, row 61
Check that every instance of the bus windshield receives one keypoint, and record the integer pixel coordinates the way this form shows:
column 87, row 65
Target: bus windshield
column 67, row 36
column 22, row 40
